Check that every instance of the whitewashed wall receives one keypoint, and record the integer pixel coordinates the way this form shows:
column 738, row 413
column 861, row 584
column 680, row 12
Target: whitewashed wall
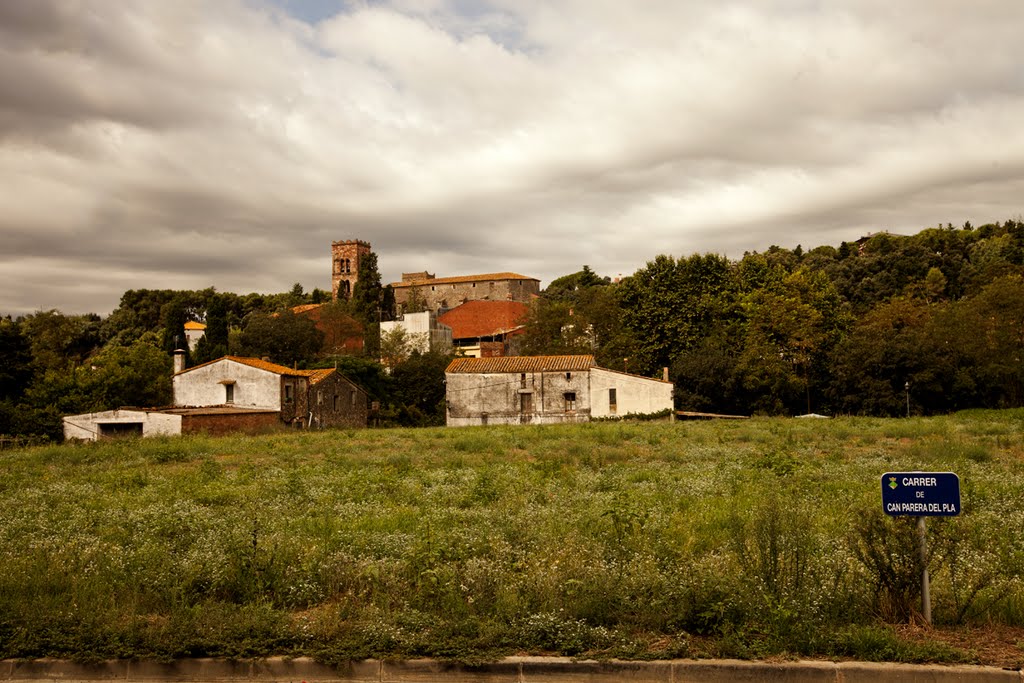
column 634, row 394
column 426, row 331
column 86, row 426
column 202, row 386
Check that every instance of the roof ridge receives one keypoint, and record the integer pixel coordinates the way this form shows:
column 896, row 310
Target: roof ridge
column 504, row 275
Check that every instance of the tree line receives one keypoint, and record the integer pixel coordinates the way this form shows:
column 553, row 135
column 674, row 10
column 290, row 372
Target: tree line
column 931, row 322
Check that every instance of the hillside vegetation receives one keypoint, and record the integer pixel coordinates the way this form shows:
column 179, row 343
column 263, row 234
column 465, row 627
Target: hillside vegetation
column 639, row 540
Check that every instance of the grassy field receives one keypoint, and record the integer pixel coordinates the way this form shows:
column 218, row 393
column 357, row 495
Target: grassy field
column 648, row 540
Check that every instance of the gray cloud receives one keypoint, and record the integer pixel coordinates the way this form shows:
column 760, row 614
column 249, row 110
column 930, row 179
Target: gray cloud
column 202, row 143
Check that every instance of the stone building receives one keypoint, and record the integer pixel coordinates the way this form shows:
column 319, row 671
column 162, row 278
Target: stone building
column 302, row 398
column 345, row 258
column 235, row 394
column 442, row 293
column 546, row 390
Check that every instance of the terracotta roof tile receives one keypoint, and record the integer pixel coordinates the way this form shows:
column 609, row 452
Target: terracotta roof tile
column 254, row 363
column 475, row 319
column 304, row 308
column 316, row 376
column 521, row 364
column 193, row 325
column 463, row 278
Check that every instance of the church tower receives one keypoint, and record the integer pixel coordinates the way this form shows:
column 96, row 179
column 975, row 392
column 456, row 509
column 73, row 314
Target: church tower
column 345, row 258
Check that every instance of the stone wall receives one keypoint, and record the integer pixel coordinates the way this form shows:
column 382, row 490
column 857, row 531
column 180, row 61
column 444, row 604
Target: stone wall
column 345, row 257
column 517, row 398
column 442, row 293
column 336, row 402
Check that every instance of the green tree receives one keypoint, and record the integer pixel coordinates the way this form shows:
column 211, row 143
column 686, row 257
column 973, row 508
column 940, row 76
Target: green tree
column 15, row 360
column 415, row 302
column 988, row 332
column 885, row 349
column 214, row 343
column 790, row 330
column 57, row 340
column 284, row 337
column 419, row 389
column 397, row 344
column 367, row 294
column 669, row 306
column 138, row 374
column 371, row 303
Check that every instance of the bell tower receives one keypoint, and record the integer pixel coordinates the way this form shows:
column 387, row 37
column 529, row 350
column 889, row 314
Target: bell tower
column 345, row 258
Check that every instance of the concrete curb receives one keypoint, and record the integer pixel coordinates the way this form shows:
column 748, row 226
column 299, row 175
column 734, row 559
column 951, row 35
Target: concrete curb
column 508, row 670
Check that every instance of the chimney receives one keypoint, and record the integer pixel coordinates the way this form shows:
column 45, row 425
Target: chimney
column 664, row 373
column 179, row 361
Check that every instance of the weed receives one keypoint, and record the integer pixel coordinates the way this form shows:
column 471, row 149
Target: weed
column 614, row 539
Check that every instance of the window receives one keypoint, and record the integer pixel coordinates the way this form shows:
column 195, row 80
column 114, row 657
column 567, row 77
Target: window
column 319, row 397
column 570, row 401
column 612, row 401
column 353, row 399
column 522, row 380
column 113, row 430
column 289, row 393
column 229, row 393
column 335, row 401
column 568, row 377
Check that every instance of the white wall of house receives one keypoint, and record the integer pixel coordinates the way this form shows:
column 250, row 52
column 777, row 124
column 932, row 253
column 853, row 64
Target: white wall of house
column 426, row 332
column 206, row 385
column 633, row 394
column 89, row 426
column 517, row 398
column 192, row 337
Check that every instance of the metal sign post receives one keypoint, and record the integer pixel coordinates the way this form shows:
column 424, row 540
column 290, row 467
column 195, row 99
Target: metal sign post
column 921, row 494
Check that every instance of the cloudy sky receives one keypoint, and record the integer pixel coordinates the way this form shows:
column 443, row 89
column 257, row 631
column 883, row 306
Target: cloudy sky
column 226, row 143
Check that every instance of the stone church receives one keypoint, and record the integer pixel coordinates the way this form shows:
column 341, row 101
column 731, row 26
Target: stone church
column 436, row 294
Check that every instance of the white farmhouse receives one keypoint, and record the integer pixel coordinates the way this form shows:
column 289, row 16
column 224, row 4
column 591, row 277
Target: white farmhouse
column 546, row 390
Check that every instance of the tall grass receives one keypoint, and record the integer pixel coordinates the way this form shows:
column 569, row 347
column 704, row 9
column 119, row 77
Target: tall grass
column 635, row 540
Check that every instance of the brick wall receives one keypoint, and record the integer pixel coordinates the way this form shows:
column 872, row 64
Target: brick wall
column 231, row 423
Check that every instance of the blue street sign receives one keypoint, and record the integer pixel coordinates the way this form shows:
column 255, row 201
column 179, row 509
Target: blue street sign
column 921, row 494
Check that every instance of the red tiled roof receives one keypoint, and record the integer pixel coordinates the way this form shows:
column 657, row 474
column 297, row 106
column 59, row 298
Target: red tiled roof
column 254, row 363
column 316, row 376
column 475, row 319
column 521, row 364
column 462, row 278
column 193, row 325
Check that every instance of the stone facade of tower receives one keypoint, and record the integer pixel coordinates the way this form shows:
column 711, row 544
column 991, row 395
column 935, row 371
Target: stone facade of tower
column 345, row 258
